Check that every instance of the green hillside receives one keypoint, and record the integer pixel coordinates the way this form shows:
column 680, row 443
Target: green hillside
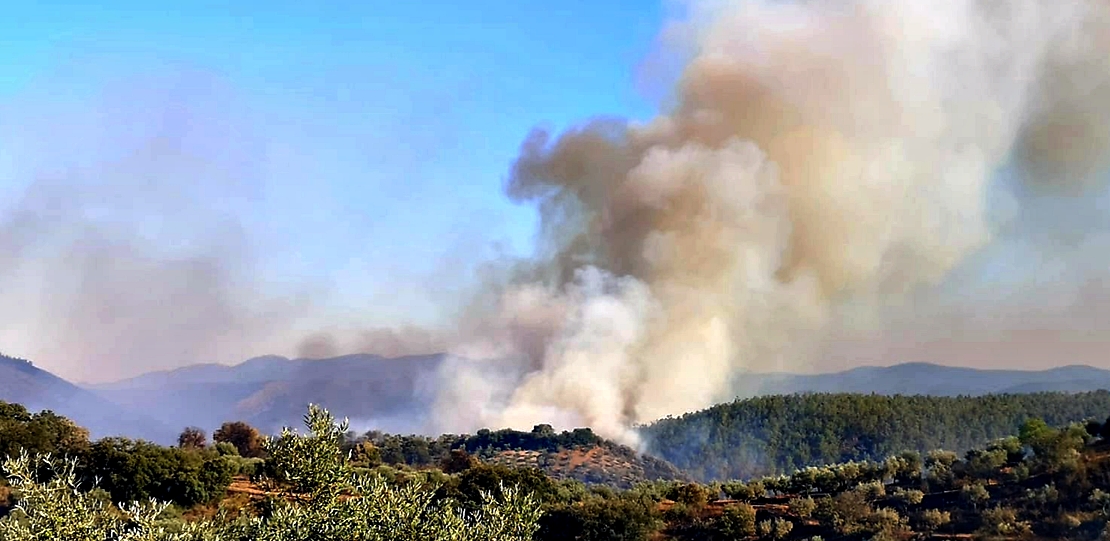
column 774, row 434
column 1042, row 483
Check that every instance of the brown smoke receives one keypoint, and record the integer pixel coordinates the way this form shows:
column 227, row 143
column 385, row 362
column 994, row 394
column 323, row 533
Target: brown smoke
column 818, row 155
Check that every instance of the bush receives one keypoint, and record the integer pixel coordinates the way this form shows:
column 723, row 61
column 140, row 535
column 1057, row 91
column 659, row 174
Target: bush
column 776, row 528
column 138, row 471
column 933, row 519
column 226, row 449
column 803, row 507
column 1003, row 521
column 909, row 496
column 321, row 500
column 737, row 521
column 689, row 494
column 597, row 519
column 246, row 467
column 743, row 491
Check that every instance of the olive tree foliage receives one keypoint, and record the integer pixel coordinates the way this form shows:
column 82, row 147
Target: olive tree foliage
column 319, row 498
column 60, row 509
column 331, row 502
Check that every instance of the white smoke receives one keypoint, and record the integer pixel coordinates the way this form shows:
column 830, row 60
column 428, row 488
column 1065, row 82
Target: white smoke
column 820, row 156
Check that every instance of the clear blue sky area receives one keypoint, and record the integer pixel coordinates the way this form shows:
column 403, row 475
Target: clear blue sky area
column 382, row 131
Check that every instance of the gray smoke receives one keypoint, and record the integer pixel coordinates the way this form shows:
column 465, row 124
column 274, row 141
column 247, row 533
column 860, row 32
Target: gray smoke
column 821, row 161
column 385, row 341
column 820, row 170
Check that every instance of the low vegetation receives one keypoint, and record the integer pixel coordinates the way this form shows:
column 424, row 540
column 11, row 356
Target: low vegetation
column 317, row 496
column 1040, row 481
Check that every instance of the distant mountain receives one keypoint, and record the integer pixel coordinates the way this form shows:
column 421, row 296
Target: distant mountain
column 36, row 389
column 926, row 379
column 271, row 392
column 255, row 370
column 390, row 394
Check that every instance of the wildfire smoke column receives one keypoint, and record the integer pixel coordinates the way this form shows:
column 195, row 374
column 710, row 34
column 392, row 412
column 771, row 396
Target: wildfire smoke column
column 818, row 155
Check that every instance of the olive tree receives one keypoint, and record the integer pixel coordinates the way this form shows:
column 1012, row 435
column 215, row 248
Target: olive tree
column 322, row 499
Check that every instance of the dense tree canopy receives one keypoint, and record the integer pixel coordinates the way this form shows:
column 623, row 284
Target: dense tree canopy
column 137, row 471
column 42, row 432
column 192, row 438
column 320, row 499
column 246, row 439
column 772, row 434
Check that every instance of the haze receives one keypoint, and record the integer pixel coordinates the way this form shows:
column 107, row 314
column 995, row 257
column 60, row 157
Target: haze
column 272, row 166
column 603, row 210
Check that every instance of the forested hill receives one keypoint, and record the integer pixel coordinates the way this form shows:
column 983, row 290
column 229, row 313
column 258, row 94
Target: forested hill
column 773, row 434
column 579, row 454
column 24, row 383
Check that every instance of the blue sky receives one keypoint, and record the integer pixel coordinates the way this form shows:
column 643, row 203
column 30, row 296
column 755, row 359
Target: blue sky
column 379, row 132
column 363, row 145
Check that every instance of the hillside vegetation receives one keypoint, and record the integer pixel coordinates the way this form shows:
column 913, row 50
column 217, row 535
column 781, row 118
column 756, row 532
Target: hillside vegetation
column 578, row 455
column 385, row 393
column 24, row 383
column 1038, row 482
column 318, row 497
column 778, row 434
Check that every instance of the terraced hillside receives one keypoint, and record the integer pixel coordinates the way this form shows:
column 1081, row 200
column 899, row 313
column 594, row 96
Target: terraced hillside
column 604, row 464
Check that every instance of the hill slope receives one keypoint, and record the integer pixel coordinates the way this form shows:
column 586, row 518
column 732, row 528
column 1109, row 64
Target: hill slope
column 758, row 436
column 271, row 392
column 23, row 383
column 926, row 379
column 578, row 454
column 382, row 393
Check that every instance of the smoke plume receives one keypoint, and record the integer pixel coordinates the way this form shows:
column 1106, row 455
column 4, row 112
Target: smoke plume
column 387, row 342
column 819, row 168
column 820, row 161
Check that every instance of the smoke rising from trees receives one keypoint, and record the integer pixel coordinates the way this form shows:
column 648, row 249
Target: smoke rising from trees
column 820, row 166
column 820, row 160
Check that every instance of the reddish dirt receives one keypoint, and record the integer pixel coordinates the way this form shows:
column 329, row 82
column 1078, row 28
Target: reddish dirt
column 578, row 458
column 242, row 485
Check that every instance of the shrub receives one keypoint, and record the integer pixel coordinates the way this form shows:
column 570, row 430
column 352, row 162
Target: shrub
column 933, row 519
column 743, row 491
column 691, row 495
column 737, row 521
column 909, row 496
column 226, row 449
column 322, row 499
column 597, row 519
column 776, row 528
column 1003, row 521
column 803, row 507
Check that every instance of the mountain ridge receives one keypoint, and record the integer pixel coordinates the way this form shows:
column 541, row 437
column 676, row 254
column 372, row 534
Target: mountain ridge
column 391, row 394
column 37, row 389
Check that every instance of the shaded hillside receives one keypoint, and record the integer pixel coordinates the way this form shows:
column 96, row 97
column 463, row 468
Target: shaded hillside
column 925, row 379
column 763, row 435
column 271, row 392
column 23, row 383
column 391, row 394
